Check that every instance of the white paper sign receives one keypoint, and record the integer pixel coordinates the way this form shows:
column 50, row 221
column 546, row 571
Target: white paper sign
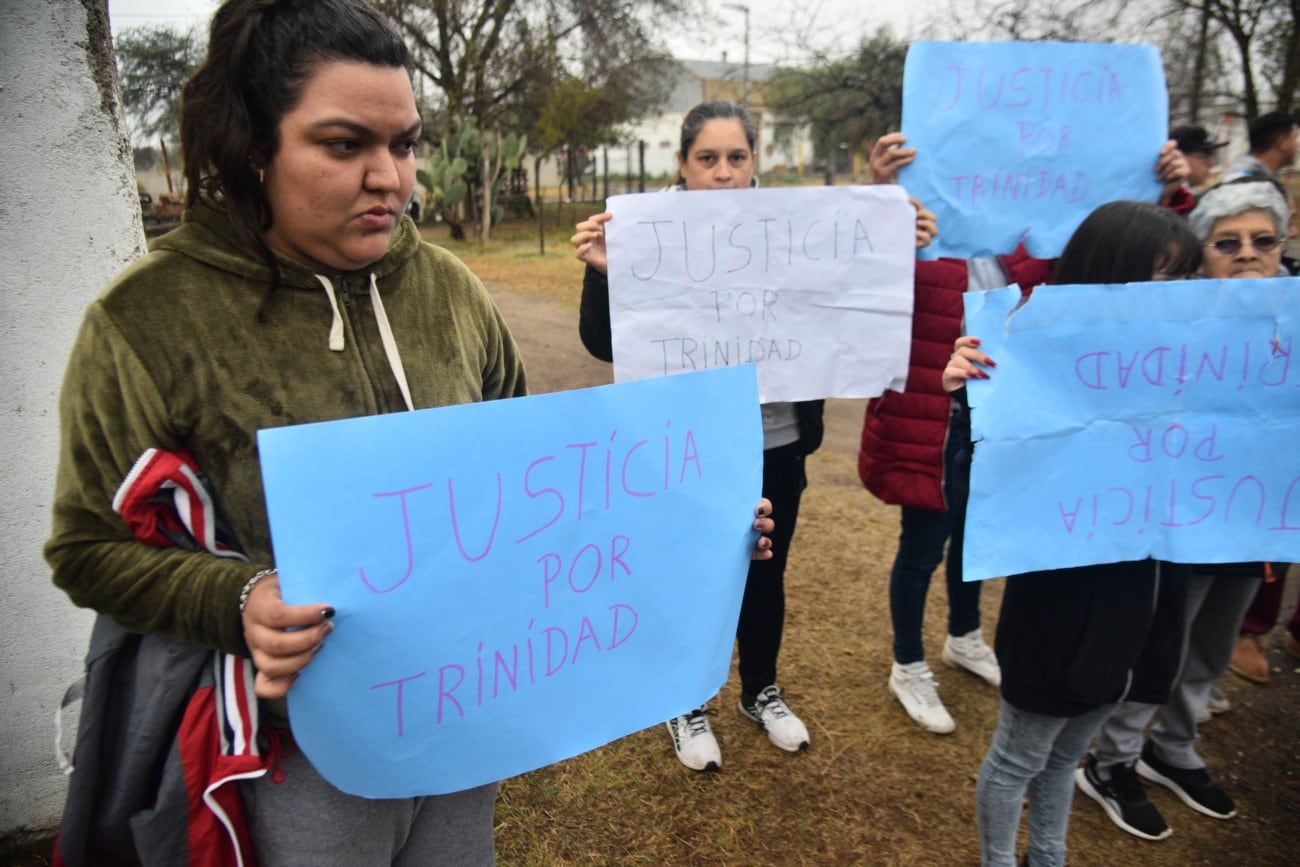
column 814, row 284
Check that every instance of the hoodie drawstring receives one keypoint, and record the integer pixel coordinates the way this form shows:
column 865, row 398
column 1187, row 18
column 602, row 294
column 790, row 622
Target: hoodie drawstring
column 390, row 345
column 336, row 325
column 336, row 343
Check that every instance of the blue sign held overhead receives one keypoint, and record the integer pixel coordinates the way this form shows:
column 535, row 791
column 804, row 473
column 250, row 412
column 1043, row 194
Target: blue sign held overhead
column 508, row 576
column 1021, row 140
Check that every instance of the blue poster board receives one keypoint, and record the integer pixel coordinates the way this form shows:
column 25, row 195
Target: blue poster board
column 1127, row 421
column 516, row 582
column 1023, row 139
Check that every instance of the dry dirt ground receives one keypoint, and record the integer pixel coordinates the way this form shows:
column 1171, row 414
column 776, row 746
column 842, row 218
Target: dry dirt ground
column 874, row 788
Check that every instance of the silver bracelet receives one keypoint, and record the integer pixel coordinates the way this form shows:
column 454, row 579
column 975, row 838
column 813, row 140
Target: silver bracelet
column 250, row 584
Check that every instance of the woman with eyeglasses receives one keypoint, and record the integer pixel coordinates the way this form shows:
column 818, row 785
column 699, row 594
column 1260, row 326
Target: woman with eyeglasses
column 1241, row 225
column 1244, row 226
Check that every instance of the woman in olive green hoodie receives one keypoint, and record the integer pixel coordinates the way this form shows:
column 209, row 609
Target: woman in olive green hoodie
column 294, row 291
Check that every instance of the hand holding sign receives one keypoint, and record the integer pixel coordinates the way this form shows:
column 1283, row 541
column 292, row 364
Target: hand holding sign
column 507, row 574
column 1133, row 420
column 814, row 285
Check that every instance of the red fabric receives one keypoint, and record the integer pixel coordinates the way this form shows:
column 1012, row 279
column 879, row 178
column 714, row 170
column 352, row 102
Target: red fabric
column 1182, row 201
column 900, row 458
column 200, row 748
column 901, row 455
column 1025, row 270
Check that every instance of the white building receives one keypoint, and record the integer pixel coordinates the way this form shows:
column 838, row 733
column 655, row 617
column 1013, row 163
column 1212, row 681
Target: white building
column 696, row 82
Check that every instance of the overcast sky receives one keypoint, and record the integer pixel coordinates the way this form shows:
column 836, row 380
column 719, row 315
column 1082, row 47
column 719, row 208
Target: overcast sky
column 770, row 23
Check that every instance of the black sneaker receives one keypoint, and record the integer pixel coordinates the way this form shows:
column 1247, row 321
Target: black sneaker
column 1124, row 799
column 1192, row 786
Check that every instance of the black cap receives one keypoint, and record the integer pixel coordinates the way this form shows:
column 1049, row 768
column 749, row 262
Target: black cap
column 1193, row 139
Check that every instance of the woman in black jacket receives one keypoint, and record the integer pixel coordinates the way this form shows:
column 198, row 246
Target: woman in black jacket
column 1073, row 642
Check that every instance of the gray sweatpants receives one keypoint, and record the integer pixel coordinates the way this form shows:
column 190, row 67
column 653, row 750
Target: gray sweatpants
column 306, row 821
column 1215, row 609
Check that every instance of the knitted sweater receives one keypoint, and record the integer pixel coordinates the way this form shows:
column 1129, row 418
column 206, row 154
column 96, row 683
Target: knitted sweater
column 172, row 356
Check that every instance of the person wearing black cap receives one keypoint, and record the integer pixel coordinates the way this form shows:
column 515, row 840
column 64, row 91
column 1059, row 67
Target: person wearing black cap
column 1198, row 147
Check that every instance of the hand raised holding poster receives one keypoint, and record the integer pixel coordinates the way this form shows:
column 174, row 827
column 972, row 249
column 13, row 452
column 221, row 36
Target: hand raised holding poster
column 508, row 575
column 1134, row 420
column 1024, row 139
column 814, row 285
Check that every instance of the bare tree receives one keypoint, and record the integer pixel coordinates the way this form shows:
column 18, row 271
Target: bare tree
column 1266, row 35
column 498, row 60
column 1241, row 54
column 153, row 64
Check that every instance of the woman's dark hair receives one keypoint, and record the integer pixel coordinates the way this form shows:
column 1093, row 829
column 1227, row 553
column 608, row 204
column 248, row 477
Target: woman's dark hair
column 714, row 109
column 260, row 55
column 1127, row 242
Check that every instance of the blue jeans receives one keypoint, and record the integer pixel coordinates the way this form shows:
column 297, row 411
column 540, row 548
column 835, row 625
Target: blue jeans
column 1038, row 755
column 920, row 548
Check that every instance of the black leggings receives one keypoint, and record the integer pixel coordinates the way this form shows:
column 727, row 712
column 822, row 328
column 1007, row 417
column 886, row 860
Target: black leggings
column 762, row 612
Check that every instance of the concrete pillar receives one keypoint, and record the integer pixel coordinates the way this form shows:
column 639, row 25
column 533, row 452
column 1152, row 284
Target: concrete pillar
column 69, row 219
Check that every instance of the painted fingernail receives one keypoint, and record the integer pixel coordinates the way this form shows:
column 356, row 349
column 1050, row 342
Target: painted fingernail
column 975, row 341
column 990, row 362
column 327, row 612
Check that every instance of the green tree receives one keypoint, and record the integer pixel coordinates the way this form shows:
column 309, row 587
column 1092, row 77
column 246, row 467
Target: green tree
column 153, row 65
column 846, row 102
column 577, row 118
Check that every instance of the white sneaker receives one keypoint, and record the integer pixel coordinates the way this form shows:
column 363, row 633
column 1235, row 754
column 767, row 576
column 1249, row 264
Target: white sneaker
column 1218, row 703
column 971, row 653
column 914, row 686
column 783, row 728
column 694, row 742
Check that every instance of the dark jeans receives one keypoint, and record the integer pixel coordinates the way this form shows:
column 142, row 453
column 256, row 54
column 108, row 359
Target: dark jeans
column 920, row 548
column 762, row 611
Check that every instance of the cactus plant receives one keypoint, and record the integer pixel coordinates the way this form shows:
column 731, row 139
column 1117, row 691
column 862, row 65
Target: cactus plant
column 464, row 175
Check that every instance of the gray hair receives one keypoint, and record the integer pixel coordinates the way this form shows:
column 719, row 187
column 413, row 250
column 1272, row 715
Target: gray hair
column 1236, row 198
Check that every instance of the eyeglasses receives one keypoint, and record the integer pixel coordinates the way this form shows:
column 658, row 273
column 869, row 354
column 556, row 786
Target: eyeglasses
column 1232, row 246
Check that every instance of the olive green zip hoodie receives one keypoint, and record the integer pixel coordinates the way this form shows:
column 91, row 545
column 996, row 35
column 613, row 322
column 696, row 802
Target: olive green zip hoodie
column 172, row 356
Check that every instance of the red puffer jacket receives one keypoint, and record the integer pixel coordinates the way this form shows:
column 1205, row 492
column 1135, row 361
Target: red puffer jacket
column 900, row 459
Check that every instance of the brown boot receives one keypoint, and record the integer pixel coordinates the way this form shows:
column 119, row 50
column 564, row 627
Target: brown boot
column 1248, row 660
